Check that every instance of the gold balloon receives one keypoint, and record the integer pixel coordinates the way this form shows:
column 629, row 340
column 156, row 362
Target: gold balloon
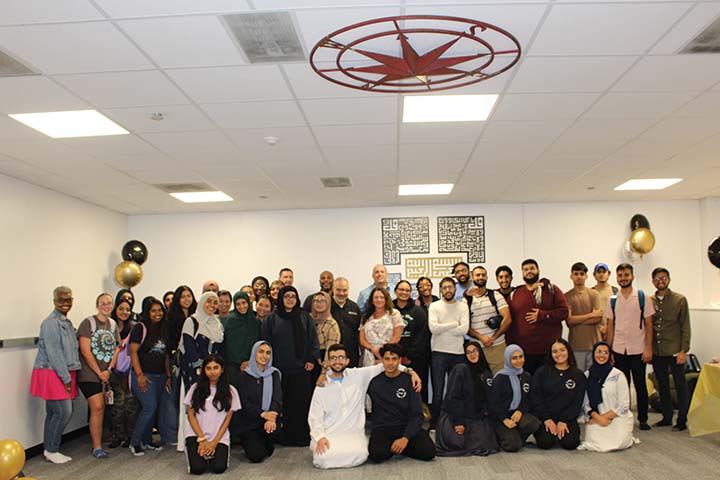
column 642, row 241
column 128, row 274
column 12, row 458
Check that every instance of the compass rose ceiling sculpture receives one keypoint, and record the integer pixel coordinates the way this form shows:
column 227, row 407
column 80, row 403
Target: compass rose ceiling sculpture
column 414, row 53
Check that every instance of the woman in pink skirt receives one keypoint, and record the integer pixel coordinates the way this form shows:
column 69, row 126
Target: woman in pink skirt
column 54, row 372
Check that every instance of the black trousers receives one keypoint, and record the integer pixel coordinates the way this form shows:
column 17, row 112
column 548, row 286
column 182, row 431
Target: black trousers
column 420, row 447
column 633, row 364
column 660, row 366
column 513, row 439
column 421, row 365
column 258, row 445
column 570, row 441
column 297, row 393
column 198, row 465
column 533, row 361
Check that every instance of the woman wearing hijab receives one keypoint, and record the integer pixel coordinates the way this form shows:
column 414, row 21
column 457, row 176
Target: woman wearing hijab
column 557, row 393
column 291, row 332
column 202, row 334
column 609, row 421
column 127, row 295
column 464, row 427
column 510, row 403
column 328, row 331
column 242, row 330
column 256, row 424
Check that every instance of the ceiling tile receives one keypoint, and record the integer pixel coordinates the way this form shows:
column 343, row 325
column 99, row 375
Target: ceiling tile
column 232, row 84
column 446, row 158
column 352, row 161
column 124, row 89
column 705, row 105
column 176, row 118
column 142, row 8
column 440, row 132
column 568, row 74
column 637, row 105
column 357, row 135
column 198, row 41
column 675, row 73
column 535, row 132
column 35, row 93
column 73, row 48
column 683, row 131
column 308, row 84
column 41, row 11
column 286, row 136
column 191, row 143
column 254, row 114
column 542, row 106
column 112, row 145
column 347, row 111
column 605, row 29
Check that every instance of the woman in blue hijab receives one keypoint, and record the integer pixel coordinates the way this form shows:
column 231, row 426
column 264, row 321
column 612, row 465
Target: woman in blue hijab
column 256, row 424
column 510, row 403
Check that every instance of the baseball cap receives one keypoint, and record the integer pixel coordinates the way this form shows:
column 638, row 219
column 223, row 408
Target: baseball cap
column 601, row 265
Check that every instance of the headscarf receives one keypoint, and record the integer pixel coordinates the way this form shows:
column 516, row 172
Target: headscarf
column 477, row 371
column 254, row 371
column 512, row 373
column 294, row 316
column 596, row 378
column 122, row 292
column 242, row 330
column 265, row 280
column 208, row 325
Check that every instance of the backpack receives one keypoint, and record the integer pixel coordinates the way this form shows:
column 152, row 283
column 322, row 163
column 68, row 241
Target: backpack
column 641, row 300
column 490, row 294
column 124, row 361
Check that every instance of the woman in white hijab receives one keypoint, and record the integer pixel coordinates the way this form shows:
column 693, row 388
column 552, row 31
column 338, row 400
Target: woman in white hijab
column 202, row 334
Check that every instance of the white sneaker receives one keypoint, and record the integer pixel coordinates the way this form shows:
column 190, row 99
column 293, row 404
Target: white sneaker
column 56, row 457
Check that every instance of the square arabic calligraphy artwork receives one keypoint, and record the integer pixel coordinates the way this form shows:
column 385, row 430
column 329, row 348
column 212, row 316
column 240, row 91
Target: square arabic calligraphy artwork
column 462, row 235
column 404, row 235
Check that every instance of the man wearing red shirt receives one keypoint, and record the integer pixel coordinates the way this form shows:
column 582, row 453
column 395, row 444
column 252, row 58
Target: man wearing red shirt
column 538, row 310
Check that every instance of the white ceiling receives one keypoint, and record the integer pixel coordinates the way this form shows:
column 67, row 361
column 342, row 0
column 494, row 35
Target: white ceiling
column 599, row 96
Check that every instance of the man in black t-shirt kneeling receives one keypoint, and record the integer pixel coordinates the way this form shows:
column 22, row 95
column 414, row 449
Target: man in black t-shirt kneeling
column 397, row 415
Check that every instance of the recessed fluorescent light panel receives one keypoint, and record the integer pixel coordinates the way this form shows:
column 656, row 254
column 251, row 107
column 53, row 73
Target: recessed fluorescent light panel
column 75, row 123
column 202, row 197
column 447, row 108
column 648, row 183
column 428, row 189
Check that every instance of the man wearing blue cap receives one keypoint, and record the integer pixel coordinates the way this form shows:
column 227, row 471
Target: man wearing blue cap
column 601, row 272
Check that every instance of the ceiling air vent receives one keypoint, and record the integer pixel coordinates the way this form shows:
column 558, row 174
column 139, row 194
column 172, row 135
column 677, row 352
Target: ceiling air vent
column 185, row 187
column 266, row 37
column 708, row 41
column 9, row 67
column 336, row 182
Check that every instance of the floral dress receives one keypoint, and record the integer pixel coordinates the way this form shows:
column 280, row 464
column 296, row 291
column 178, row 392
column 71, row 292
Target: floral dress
column 379, row 331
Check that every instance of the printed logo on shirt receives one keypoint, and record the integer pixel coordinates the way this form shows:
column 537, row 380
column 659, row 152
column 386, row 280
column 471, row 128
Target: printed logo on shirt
column 400, row 393
column 352, row 313
column 488, row 381
column 526, row 387
column 570, row 384
column 102, row 345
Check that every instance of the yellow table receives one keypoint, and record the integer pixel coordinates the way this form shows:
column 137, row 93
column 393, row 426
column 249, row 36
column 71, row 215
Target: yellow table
column 704, row 413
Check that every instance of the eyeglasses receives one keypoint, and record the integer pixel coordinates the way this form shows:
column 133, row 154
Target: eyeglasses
column 472, row 352
column 64, row 300
column 337, row 358
column 105, row 304
column 661, row 279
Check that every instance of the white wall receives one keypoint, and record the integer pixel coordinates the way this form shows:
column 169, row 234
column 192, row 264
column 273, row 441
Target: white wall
column 233, row 247
column 709, row 230
column 48, row 239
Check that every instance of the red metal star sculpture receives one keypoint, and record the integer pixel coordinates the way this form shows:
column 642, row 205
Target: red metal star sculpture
column 412, row 72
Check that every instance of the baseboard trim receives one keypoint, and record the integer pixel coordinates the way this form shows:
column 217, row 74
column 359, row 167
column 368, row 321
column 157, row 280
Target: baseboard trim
column 39, row 449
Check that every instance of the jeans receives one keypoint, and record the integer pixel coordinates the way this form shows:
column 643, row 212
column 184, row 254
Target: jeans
column 169, row 412
column 660, row 365
column 633, row 364
column 440, row 364
column 149, row 401
column 57, row 416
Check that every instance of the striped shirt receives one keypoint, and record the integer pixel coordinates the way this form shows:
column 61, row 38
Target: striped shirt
column 482, row 309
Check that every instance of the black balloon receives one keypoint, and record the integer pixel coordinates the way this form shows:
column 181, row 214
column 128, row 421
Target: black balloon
column 135, row 251
column 714, row 252
column 639, row 221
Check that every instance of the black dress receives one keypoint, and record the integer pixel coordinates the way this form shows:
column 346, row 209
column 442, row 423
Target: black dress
column 465, row 405
column 247, row 426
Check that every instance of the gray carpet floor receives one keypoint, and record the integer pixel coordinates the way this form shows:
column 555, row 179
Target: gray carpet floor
column 663, row 454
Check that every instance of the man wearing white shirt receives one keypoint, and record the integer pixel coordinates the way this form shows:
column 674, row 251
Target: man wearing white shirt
column 449, row 321
column 337, row 412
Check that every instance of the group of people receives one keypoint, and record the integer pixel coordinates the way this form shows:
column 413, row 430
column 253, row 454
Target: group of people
column 260, row 367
